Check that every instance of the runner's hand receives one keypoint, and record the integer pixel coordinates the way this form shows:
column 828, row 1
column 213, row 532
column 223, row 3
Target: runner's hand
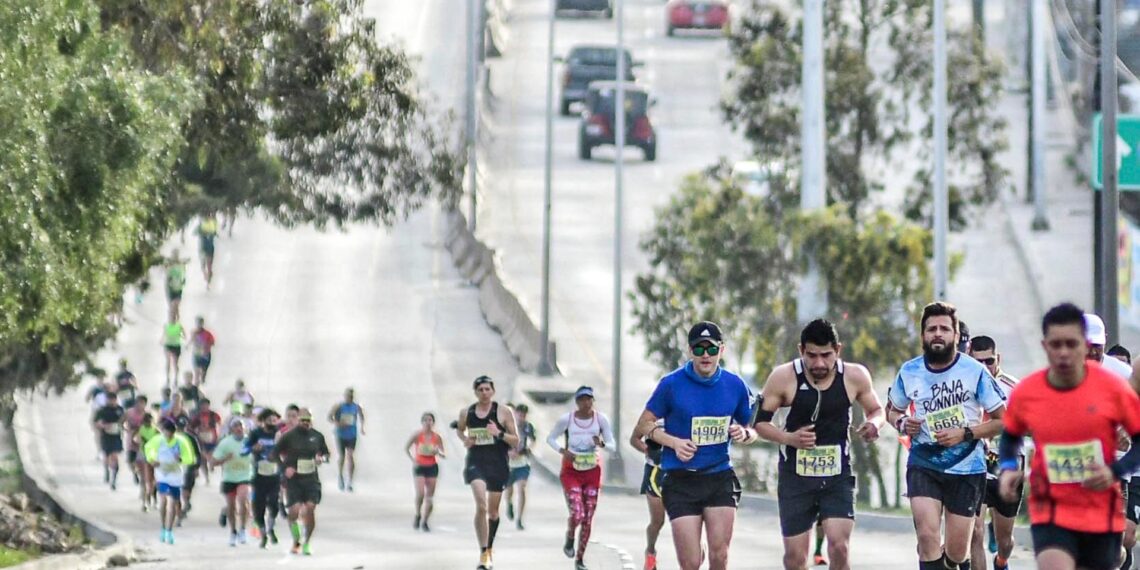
column 1101, row 478
column 803, row 438
column 567, row 455
column 599, row 442
column 468, row 442
column 737, row 433
column 950, row 437
column 685, row 449
column 912, row 426
column 1008, row 482
column 493, row 429
column 868, row 431
column 1123, row 441
column 289, row 472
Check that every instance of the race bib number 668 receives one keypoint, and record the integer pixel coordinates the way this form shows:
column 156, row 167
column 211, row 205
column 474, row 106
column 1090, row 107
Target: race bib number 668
column 946, row 418
column 708, row 430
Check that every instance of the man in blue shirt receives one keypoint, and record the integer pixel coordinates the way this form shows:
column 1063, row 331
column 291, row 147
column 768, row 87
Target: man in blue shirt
column 703, row 407
column 348, row 417
column 946, row 468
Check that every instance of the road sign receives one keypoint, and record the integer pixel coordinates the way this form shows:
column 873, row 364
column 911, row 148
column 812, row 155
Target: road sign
column 1127, row 152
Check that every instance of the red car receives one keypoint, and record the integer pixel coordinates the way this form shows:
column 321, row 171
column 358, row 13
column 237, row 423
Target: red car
column 695, row 15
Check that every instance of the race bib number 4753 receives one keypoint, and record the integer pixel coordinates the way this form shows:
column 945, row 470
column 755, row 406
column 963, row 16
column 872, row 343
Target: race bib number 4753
column 1072, row 463
column 946, row 418
column 709, row 430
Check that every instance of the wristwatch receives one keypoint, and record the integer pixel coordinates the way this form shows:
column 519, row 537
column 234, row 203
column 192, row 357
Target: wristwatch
column 967, row 434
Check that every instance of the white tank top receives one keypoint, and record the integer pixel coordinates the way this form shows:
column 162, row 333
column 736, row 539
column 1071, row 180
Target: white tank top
column 580, row 433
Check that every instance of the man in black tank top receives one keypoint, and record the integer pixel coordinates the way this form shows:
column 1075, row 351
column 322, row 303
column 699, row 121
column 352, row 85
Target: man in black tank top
column 815, row 479
column 488, row 431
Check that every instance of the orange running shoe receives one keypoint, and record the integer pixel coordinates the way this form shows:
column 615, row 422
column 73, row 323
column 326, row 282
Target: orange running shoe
column 650, row 561
column 820, row 560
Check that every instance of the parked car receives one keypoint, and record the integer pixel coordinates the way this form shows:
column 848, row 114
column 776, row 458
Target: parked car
column 585, row 64
column 606, row 7
column 598, row 119
column 695, row 15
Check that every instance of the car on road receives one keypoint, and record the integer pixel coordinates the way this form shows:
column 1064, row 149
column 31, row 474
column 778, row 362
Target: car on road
column 606, row 7
column 598, row 119
column 585, row 64
column 695, row 15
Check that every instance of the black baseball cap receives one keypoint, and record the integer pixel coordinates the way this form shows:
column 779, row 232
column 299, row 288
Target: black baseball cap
column 482, row 380
column 704, row 331
column 963, row 336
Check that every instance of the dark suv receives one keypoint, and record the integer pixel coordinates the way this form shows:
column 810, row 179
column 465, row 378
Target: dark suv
column 587, row 63
column 606, row 7
column 597, row 126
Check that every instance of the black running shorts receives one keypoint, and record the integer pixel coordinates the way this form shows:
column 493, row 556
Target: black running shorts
column 688, row 493
column 960, row 494
column 804, row 500
column 1092, row 550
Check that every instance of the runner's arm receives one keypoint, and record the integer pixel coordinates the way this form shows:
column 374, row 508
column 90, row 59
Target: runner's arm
column 332, row 413
column 773, row 397
column 360, row 412
column 637, row 442
column 607, row 432
column 441, row 452
column 411, row 443
column 511, row 435
column 554, row 440
column 872, row 408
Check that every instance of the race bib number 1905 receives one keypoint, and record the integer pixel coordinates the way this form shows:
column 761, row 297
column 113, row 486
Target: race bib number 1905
column 710, row 430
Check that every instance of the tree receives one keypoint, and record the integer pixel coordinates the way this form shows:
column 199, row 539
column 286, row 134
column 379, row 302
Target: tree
column 872, row 94
column 306, row 117
column 89, row 144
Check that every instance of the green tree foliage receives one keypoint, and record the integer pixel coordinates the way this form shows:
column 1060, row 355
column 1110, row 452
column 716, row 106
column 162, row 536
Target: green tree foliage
column 878, row 77
column 89, row 144
column 306, row 117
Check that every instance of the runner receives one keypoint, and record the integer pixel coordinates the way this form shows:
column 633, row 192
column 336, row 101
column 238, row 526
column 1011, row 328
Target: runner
column 267, row 481
column 175, row 283
column 190, row 391
column 234, row 457
column 816, row 482
column 346, row 416
column 427, row 446
column 1074, row 493
column 518, row 459
column 1097, row 338
column 488, row 432
column 207, row 232
column 651, row 482
column 169, row 453
column 132, row 421
column 147, row 431
column 292, row 415
column 127, row 384
column 1120, row 353
column 577, row 437
column 172, row 337
column 704, row 407
column 301, row 451
column 110, row 420
column 204, row 427
column 97, row 398
column 239, row 394
column 946, row 467
column 1002, row 513
column 202, row 346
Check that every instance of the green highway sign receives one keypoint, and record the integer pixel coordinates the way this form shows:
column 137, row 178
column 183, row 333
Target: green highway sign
column 1127, row 152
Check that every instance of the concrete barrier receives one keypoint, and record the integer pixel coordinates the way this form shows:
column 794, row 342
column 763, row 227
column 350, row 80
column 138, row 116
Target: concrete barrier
column 42, row 488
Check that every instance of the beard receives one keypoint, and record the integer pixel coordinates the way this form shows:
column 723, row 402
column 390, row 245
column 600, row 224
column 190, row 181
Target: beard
column 938, row 356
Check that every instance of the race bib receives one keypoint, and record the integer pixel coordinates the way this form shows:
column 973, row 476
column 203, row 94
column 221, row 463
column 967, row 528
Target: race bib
column 347, row 420
column 207, row 436
column 585, row 461
column 113, row 429
column 822, row 461
column 1072, row 463
column 482, row 436
column 306, row 466
column 266, row 468
column 946, row 418
column 169, row 468
column 707, row 430
column 427, row 449
column 517, row 461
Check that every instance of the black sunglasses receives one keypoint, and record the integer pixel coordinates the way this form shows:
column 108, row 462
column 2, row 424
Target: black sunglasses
column 701, row 350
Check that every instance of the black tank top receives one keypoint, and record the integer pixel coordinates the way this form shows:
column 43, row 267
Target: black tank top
column 491, row 453
column 829, row 410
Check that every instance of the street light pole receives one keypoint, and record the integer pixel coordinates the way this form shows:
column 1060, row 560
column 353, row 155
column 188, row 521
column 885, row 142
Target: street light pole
column 941, row 199
column 545, row 366
column 1110, row 201
column 473, row 25
column 1037, row 116
column 617, row 465
column 811, row 301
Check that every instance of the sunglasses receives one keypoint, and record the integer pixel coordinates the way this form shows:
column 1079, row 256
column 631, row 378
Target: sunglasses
column 701, row 350
column 988, row 361
column 306, row 420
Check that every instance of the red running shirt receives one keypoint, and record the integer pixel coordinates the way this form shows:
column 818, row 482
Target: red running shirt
column 1071, row 429
column 426, row 448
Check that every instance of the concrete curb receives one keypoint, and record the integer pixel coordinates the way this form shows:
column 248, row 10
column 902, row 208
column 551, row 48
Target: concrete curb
column 1029, row 264
column 40, row 485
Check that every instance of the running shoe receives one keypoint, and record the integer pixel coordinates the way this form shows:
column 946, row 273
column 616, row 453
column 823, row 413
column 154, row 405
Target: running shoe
column 820, row 560
column 307, row 550
column 485, row 560
column 650, row 561
column 579, row 565
column 162, row 536
column 992, row 544
column 425, row 527
column 222, row 519
column 255, row 532
column 296, row 548
column 273, row 536
column 340, row 483
column 568, row 547
column 1006, row 566
column 264, row 541
column 350, row 489
column 170, row 536
column 242, row 537
column 233, row 539
column 416, row 522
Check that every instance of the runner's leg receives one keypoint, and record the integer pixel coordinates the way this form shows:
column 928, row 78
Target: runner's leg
column 978, row 542
column 927, row 514
column 796, row 551
column 522, row 500
column 479, row 492
column 421, row 488
column 719, row 522
column 959, row 531
column 656, row 522
column 838, row 533
column 350, row 459
column 310, row 519
column 1055, row 559
column 429, row 497
column 1003, row 529
column 687, row 540
column 493, row 500
column 589, row 506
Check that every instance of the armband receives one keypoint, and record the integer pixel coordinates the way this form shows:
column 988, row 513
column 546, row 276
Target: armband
column 1009, row 465
column 764, row 416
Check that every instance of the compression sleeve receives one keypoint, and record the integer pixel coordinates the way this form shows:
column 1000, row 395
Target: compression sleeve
column 1009, row 450
column 1131, row 460
column 554, row 439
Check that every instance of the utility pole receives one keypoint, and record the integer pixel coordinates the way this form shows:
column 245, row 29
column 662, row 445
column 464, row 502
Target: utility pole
column 545, row 364
column 474, row 40
column 617, row 464
column 1110, row 202
column 811, row 302
column 941, row 198
column 1098, row 197
column 1037, row 115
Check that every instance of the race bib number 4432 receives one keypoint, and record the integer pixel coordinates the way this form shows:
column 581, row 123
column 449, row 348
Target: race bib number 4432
column 946, row 418
column 1072, row 463
column 707, row 430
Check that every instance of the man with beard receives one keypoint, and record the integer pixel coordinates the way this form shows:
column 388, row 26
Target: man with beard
column 815, row 479
column 946, row 468
column 301, row 451
column 266, row 480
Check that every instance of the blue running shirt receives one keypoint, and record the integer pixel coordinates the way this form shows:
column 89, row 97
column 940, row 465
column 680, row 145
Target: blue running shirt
column 954, row 397
column 700, row 410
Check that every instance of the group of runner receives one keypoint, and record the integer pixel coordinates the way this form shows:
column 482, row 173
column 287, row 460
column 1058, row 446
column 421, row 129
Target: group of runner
column 964, row 418
column 268, row 463
column 174, row 335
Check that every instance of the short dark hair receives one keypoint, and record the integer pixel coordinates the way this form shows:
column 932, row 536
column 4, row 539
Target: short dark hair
column 982, row 343
column 1118, row 350
column 292, row 408
column 939, row 309
column 266, row 413
column 483, row 380
column 428, row 415
column 819, row 332
column 1064, row 314
column 523, row 408
column 204, row 401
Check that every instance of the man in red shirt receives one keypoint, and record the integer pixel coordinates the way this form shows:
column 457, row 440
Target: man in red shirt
column 1072, row 410
column 202, row 345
